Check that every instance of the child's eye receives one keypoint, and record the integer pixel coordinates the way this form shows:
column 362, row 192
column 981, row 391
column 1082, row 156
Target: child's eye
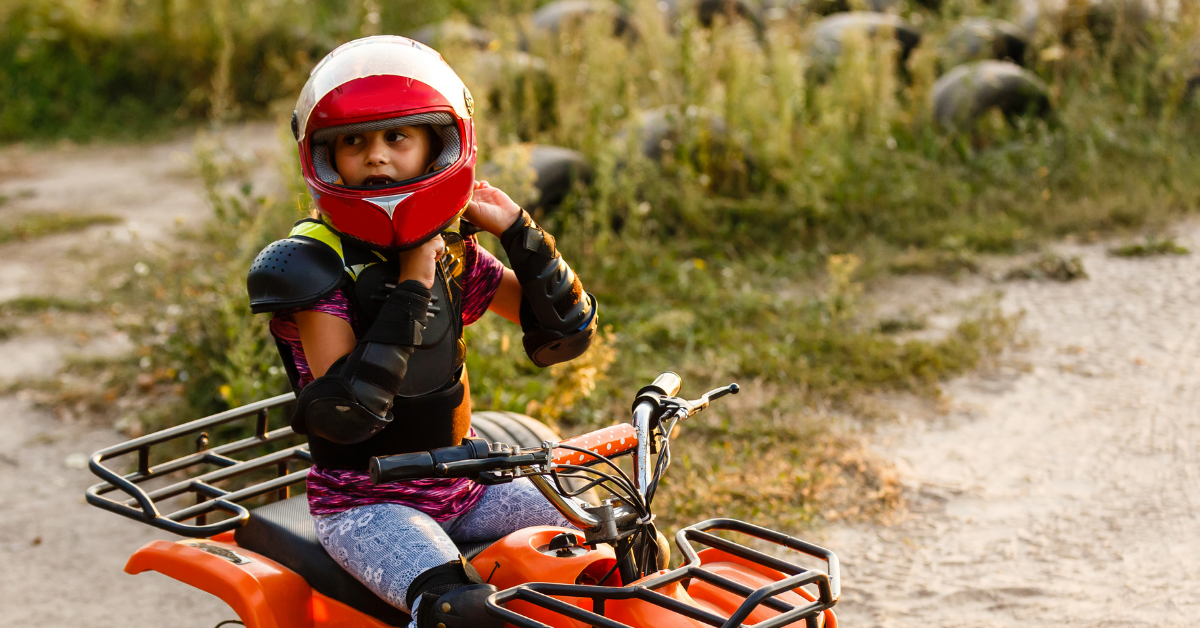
column 395, row 136
column 352, row 140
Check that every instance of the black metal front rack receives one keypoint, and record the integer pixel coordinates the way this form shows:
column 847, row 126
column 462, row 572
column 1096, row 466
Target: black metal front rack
column 828, row 584
column 142, row 504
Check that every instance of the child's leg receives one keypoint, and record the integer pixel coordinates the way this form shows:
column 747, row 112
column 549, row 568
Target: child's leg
column 385, row 546
column 504, row 509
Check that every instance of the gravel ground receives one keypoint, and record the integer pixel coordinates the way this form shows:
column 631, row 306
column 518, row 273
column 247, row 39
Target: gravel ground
column 63, row 559
column 1062, row 492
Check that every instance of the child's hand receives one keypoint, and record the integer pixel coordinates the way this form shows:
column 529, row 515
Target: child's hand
column 490, row 209
column 421, row 263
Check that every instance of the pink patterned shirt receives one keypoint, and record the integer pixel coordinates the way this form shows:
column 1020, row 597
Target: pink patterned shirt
column 335, row 490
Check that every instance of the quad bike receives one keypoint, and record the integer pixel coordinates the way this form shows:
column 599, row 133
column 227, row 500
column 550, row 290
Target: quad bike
column 266, row 563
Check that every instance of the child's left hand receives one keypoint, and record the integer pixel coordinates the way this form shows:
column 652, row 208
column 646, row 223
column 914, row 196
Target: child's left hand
column 491, row 209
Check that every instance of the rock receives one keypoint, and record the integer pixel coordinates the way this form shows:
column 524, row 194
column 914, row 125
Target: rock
column 980, row 38
column 827, row 36
column 453, row 32
column 966, row 92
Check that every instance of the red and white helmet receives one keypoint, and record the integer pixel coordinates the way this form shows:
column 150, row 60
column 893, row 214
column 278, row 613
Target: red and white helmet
column 379, row 83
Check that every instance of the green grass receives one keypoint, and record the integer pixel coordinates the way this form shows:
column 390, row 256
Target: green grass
column 4, row 198
column 794, row 336
column 900, row 324
column 934, row 262
column 1149, row 248
column 31, row 226
column 38, row 304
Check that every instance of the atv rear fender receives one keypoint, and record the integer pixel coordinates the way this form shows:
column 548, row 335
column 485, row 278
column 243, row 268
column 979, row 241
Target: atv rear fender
column 263, row 593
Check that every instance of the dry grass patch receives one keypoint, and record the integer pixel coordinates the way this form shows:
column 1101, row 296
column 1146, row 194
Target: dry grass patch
column 1150, row 248
column 30, row 226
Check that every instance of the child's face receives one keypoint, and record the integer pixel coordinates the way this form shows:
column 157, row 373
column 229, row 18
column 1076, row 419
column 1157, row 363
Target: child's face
column 382, row 157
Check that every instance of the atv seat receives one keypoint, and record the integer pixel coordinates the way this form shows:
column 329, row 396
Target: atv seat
column 284, row 532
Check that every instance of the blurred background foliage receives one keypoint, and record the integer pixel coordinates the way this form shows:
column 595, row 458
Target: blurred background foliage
column 738, row 203
column 129, row 68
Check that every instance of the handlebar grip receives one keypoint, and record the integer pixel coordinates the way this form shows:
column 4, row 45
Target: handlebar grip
column 422, row 464
column 668, row 382
column 402, row 467
column 608, row 442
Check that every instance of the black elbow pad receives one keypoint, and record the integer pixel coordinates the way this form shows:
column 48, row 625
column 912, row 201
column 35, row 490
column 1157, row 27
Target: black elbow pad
column 557, row 317
column 328, row 408
column 546, row 347
column 353, row 400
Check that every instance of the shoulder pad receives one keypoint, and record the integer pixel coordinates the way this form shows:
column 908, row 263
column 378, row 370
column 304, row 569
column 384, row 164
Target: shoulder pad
column 292, row 273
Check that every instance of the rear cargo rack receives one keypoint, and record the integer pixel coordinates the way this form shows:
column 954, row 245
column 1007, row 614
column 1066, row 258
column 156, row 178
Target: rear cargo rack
column 828, row 584
column 143, row 505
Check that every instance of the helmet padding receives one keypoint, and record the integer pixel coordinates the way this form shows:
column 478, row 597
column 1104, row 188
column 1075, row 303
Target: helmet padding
column 441, row 122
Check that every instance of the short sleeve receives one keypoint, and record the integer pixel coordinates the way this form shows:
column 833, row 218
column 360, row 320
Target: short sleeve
column 287, row 334
column 481, row 280
column 335, row 303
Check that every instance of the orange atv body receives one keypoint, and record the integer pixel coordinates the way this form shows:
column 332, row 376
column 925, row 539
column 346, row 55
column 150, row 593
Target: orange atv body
column 268, row 565
column 266, row 594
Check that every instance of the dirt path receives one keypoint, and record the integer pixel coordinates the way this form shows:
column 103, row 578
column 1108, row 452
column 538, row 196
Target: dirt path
column 1067, row 495
column 62, row 558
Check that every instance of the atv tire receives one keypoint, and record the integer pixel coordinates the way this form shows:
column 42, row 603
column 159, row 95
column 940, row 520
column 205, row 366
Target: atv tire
column 827, row 36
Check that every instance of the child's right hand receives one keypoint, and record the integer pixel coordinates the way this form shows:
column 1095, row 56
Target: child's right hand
column 421, row 263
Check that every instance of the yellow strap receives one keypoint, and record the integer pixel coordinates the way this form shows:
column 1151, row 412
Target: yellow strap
column 318, row 231
column 322, row 232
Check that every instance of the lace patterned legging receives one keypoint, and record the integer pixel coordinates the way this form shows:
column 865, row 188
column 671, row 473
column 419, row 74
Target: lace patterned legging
column 386, row 546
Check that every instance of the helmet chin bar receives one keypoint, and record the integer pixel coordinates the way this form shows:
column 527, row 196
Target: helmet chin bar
column 398, row 216
column 376, row 206
column 388, row 203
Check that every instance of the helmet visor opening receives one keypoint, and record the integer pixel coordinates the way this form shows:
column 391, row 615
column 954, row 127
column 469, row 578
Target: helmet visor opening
column 443, row 124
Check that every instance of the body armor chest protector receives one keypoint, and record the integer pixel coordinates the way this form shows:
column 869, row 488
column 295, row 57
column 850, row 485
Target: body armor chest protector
column 433, row 408
column 442, row 352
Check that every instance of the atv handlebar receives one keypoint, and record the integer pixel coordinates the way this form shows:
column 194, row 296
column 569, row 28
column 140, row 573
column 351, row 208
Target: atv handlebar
column 444, row 462
column 656, row 410
column 609, row 442
column 475, row 456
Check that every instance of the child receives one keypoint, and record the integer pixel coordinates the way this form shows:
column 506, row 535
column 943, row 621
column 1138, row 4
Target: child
column 369, row 303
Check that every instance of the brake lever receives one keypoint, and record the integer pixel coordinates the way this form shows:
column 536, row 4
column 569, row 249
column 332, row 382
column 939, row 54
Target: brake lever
column 679, row 408
column 695, row 406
